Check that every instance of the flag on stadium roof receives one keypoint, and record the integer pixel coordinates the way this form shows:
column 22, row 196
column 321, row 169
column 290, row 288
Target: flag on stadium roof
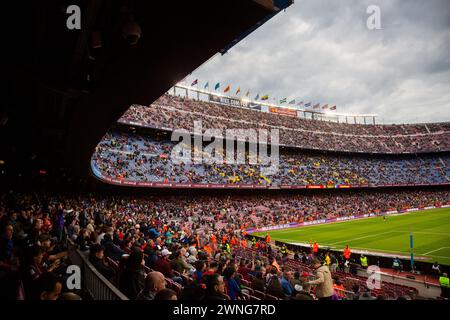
column 265, row 97
column 227, row 89
column 217, row 86
column 238, row 90
column 307, row 105
column 194, row 82
column 333, row 108
column 206, row 85
column 316, row 106
column 257, row 97
column 300, row 103
column 248, row 93
column 325, row 106
column 292, row 102
column 283, row 100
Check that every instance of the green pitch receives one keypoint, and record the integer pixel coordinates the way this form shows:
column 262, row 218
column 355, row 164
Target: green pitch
column 431, row 230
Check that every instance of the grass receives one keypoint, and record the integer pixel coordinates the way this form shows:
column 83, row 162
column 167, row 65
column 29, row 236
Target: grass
column 431, row 230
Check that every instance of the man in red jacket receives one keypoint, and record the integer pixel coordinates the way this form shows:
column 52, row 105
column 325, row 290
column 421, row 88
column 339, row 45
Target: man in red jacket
column 163, row 264
column 347, row 253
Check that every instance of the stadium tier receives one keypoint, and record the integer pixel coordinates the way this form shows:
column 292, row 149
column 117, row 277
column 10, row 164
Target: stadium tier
column 171, row 112
column 204, row 235
column 127, row 158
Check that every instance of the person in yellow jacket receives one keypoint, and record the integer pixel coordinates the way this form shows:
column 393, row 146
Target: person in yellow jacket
column 327, row 260
column 364, row 262
column 284, row 250
column 444, row 282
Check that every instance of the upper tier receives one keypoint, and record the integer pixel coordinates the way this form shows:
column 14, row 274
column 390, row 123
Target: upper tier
column 126, row 158
column 170, row 112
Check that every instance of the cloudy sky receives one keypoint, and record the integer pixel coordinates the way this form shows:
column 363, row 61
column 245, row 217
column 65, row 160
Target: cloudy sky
column 322, row 51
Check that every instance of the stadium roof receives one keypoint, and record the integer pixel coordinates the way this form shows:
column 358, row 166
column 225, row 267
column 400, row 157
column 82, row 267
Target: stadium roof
column 67, row 87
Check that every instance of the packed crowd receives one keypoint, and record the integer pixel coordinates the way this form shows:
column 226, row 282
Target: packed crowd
column 171, row 112
column 197, row 246
column 142, row 158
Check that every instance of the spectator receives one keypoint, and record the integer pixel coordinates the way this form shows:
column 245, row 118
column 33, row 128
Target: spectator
column 364, row 261
column 58, row 224
column 288, row 289
column 347, row 253
column 353, row 267
column 69, row 296
column 200, row 267
column 7, row 244
column 166, row 294
column 233, row 289
column 35, row 268
column 9, row 264
column 154, row 282
column 444, row 282
column 258, row 282
column 333, row 263
column 324, row 282
column 436, row 269
column 215, row 288
column 179, row 263
column 49, row 286
column 304, row 277
column 111, row 250
column 163, row 264
column 35, row 233
column 339, row 289
column 274, row 287
column 132, row 280
column 97, row 258
column 397, row 265
column 300, row 294
column 244, row 271
column 356, row 294
column 82, row 239
column 367, row 295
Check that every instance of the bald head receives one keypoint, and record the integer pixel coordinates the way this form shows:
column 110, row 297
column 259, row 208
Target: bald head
column 155, row 281
column 69, row 296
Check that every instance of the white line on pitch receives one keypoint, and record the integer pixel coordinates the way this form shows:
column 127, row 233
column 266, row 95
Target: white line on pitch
column 423, row 232
column 371, row 235
column 433, row 256
column 434, row 250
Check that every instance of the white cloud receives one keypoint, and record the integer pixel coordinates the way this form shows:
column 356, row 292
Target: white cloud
column 321, row 51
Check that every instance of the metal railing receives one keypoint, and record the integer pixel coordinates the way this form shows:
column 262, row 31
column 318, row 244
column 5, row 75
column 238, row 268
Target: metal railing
column 92, row 282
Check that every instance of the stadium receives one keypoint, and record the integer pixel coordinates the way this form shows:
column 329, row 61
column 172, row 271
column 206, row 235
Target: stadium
column 147, row 194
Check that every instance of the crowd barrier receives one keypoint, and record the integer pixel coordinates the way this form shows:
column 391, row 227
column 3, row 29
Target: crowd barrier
column 92, row 282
